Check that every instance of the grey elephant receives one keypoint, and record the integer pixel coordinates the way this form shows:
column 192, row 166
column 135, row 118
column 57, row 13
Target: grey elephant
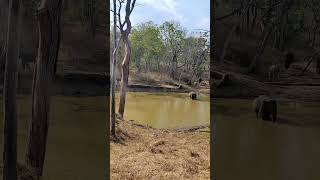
column 193, row 95
column 265, row 108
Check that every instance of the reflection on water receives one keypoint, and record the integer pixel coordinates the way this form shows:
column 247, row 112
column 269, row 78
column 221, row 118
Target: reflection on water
column 247, row 148
column 76, row 137
column 167, row 110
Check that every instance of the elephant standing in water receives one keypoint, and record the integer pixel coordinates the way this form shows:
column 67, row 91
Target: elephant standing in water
column 265, row 107
column 193, row 95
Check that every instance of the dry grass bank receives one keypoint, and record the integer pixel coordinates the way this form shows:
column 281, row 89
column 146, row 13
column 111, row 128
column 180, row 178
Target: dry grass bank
column 146, row 153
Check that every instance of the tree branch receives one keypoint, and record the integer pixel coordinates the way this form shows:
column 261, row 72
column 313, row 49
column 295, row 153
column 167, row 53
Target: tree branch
column 132, row 7
column 119, row 15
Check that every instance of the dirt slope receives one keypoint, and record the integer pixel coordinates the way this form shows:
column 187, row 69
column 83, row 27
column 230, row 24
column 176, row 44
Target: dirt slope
column 145, row 153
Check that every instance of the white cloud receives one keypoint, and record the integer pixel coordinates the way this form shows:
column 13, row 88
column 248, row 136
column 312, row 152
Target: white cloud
column 167, row 6
column 204, row 23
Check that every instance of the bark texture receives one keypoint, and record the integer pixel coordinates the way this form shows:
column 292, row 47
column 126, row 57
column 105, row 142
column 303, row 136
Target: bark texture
column 49, row 23
column 113, row 70
column 125, row 75
column 126, row 60
column 10, row 89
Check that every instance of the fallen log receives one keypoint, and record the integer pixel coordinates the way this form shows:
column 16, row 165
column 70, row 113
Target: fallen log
column 223, row 78
column 217, row 74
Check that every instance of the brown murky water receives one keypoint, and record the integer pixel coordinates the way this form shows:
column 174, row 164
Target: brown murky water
column 250, row 149
column 167, row 110
column 76, row 143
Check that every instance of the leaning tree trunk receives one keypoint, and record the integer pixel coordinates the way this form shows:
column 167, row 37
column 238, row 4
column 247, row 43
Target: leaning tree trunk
column 260, row 48
column 10, row 89
column 49, row 23
column 126, row 60
column 125, row 74
column 113, row 72
column 309, row 62
column 314, row 35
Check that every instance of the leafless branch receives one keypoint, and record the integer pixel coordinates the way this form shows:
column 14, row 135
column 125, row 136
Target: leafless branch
column 132, row 7
column 119, row 15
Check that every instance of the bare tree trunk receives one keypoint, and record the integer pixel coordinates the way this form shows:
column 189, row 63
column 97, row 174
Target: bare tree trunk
column 125, row 75
column 255, row 13
column 314, row 36
column 174, row 65
column 113, row 72
column 226, row 43
column 212, row 120
column 248, row 18
column 282, row 34
column 10, row 89
column 126, row 60
column 49, row 23
column 260, row 48
column 3, row 35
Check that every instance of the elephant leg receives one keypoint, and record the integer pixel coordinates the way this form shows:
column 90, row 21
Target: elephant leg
column 274, row 119
column 274, row 115
column 257, row 113
column 265, row 118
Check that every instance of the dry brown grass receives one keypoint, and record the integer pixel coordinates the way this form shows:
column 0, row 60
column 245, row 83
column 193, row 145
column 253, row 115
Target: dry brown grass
column 146, row 153
column 150, row 78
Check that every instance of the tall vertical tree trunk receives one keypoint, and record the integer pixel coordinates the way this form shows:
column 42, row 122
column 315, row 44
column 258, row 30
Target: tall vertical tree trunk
column 125, row 74
column 49, row 23
column 255, row 13
column 113, row 72
column 314, row 35
column 3, row 34
column 248, row 18
column 174, row 65
column 212, row 120
column 282, row 11
column 10, row 89
column 126, row 60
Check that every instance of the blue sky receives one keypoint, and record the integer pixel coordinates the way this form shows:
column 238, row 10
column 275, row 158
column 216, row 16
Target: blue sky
column 192, row 14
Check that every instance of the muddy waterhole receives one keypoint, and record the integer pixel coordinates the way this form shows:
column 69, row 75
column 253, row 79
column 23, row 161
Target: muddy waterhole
column 167, row 110
column 253, row 149
column 76, row 137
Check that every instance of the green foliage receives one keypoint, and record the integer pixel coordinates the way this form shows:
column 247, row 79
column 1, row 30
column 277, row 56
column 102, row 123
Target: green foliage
column 167, row 47
column 172, row 35
column 146, row 43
